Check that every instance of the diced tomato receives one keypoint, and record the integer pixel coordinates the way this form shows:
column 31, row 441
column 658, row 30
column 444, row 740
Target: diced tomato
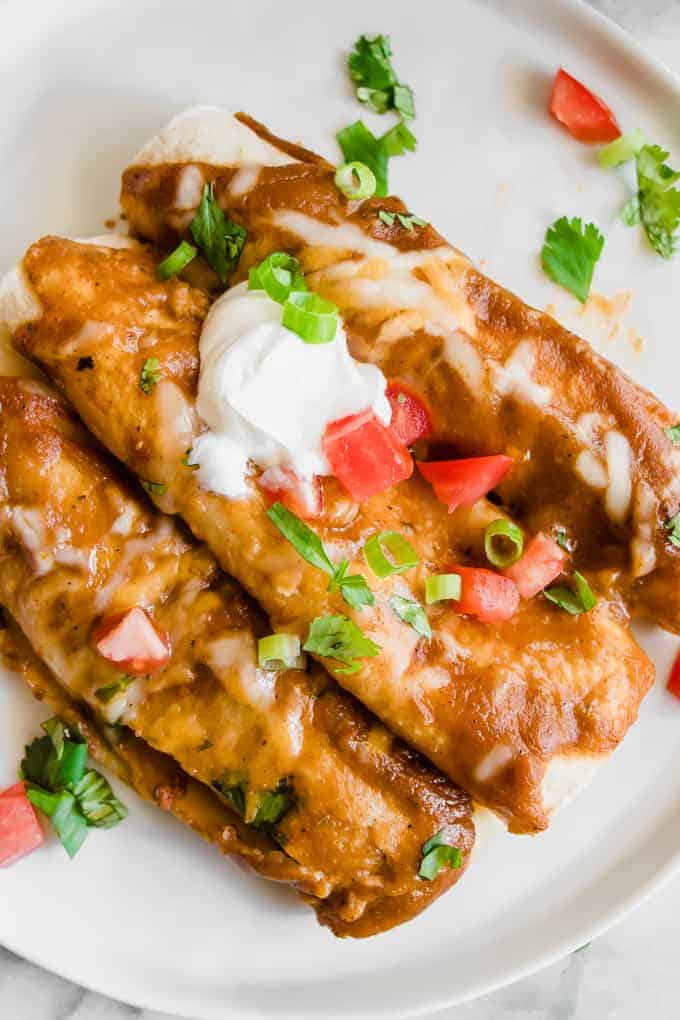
column 302, row 497
column 463, row 482
column 410, row 415
column 17, row 790
column 584, row 114
column 365, row 456
column 490, row 597
column 541, row 562
column 132, row 641
column 20, row 831
column 673, row 684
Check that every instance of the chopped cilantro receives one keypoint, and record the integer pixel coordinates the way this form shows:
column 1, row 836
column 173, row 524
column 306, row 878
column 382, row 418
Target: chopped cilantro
column 377, row 86
column 570, row 253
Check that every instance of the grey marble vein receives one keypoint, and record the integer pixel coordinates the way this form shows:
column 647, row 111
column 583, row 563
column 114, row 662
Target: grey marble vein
column 628, row 973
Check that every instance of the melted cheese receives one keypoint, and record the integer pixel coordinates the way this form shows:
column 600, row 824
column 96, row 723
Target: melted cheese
column 591, row 470
column 515, row 376
column 189, row 188
column 619, row 470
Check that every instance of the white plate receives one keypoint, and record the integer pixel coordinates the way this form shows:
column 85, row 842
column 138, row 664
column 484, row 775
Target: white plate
column 147, row 913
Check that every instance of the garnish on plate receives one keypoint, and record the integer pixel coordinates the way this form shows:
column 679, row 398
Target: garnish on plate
column 307, row 543
column 672, row 526
column 656, row 204
column 355, row 180
column 438, row 854
column 220, row 240
column 411, row 612
column 570, row 254
column 585, row 116
column 279, row 651
column 574, row 600
column 402, row 555
column 359, row 144
column 59, row 784
column 155, row 488
column 176, row 261
column 377, row 85
column 339, row 638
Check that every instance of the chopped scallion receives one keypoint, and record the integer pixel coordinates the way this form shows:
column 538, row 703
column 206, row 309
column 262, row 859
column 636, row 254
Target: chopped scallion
column 503, row 543
column 440, row 587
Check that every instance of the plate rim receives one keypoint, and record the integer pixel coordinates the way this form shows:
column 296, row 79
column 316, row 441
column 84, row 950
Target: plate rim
column 12, row 14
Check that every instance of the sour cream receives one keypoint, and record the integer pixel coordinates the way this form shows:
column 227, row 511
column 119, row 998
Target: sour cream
column 267, row 396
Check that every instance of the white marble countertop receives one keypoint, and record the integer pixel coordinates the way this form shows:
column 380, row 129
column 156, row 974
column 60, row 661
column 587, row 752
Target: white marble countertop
column 627, row 973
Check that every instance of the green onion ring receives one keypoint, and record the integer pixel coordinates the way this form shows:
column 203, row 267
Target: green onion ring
column 278, row 275
column 439, row 587
column 497, row 553
column 176, row 260
column 313, row 318
column 279, row 651
column 403, row 555
column 355, row 180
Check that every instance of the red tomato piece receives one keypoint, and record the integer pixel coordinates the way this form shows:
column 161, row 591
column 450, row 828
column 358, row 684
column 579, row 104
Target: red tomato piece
column 132, row 641
column 303, row 498
column 541, row 562
column 673, row 684
column 20, row 831
column 584, row 114
column 17, row 790
column 410, row 415
column 490, row 597
column 365, row 456
column 463, row 482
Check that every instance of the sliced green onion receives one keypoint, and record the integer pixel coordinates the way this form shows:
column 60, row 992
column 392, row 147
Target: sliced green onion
column 622, row 149
column 439, row 587
column 278, row 275
column 313, row 318
column 503, row 542
column 176, row 260
column 574, row 602
column 412, row 613
column 437, row 854
column 355, row 180
column 386, row 217
column 278, row 651
column 673, row 433
column 111, row 690
column 402, row 554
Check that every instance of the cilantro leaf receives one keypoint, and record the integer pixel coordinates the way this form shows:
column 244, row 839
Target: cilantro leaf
column 150, row 375
column 352, row 587
column 411, row 612
column 232, row 793
column 220, row 239
column 54, row 767
column 273, row 805
column 577, row 600
column 358, row 143
column 673, row 434
column 672, row 526
column 657, row 203
column 307, row 543
column 437, row 854
column 370, row 68
column 337, row 637
column 570, row 253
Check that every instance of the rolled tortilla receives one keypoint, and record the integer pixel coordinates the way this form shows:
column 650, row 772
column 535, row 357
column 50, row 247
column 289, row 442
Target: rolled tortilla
column 495, row 707
column 348, row 806
column 590, row 448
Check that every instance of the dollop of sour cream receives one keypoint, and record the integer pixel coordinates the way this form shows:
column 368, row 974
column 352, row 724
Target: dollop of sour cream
column 267, row 396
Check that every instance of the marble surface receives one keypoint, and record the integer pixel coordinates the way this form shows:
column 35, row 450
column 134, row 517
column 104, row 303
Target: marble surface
column 629, row 972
